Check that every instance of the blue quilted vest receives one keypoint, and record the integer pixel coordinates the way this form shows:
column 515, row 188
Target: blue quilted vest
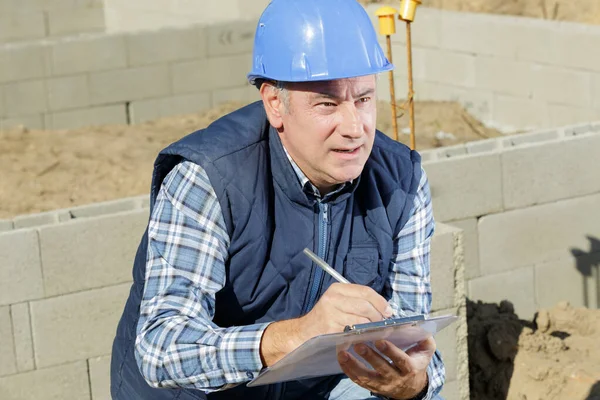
column 270, row 220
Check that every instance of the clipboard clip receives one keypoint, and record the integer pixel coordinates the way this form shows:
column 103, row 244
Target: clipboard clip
column 386, row 322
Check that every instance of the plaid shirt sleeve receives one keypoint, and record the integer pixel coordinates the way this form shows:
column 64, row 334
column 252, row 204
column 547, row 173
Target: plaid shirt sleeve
column 408, row 286
column 177, row 344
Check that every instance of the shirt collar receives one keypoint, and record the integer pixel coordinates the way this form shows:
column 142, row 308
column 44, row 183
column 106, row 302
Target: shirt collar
column 307, row 185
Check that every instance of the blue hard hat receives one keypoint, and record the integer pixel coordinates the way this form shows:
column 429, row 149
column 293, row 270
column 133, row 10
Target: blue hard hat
column 315, row 40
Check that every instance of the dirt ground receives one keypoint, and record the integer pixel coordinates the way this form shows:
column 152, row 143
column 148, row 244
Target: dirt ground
column 555, row 357
column 47, row 170
column 585, row 11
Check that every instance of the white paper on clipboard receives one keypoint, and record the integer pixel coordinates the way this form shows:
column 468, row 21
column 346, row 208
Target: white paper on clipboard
column 318, row 356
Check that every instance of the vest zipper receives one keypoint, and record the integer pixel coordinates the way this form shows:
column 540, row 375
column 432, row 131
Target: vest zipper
column 318, row 273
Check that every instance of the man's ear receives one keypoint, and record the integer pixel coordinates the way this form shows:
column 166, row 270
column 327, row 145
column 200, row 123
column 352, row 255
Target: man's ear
column 271, row 98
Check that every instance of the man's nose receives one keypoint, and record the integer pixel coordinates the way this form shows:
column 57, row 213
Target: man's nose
column 350, row 125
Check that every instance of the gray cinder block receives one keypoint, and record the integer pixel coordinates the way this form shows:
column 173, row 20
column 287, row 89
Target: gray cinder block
column 516, row 286
column 112, row 114
column 471, row 246
column 503, row 75
column 147, row 110
column 551, row 171
column 231, row 38
column 68, row 21
column 91, row 252
column 100, row 377
column 464, row 187
column 563, row 86
column 87, row 54
column 25, row 98
column 103, row 208
column 62, row 382
column 538, row 234
column 17, row 26
column 533, row 137
column 45, row 218
column 68, row 92
column 166, row 45
column 22, row 336
column 8, row 364
column 20, row 267
column 76, row 326
column 443, row 249
column 129, row 84
column 6, row 225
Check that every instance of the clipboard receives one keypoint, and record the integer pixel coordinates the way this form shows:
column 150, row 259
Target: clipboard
column 318, row 356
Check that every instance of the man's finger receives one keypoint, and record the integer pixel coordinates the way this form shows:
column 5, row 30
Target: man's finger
column 426, row 346
column 357, row 371
column 366, row 293
column 379, row 363
column 400, row 359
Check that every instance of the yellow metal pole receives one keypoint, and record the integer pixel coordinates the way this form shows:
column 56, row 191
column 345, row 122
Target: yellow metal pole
column 411, row 103
column 408, row 9
column 392, row 89
column 387, row 27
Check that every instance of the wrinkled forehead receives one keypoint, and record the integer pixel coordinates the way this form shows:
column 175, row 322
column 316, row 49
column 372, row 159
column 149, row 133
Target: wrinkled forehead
column 338, row 88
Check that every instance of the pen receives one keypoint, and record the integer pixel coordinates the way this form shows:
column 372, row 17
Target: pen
column 327, row 268
column 319, row 261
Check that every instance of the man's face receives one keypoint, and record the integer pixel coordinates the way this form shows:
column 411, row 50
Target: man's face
column 328, row 128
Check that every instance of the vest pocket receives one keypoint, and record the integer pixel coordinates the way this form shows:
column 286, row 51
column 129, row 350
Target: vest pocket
column 362, row 265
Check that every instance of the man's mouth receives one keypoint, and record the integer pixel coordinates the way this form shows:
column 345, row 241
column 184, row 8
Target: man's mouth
column 348, row 151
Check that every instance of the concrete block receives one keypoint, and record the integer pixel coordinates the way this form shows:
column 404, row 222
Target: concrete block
column 20, row 268
column 22, row 26
column 91, row 252
column 113, row 114
column 571, row 279
column 75, row 20
column 130, row 84
column 211, row 74
column 561, row 86
column 24, row 98
column 428, row 32
column 87, row 54
column 35, row 121
column 76, row 326
column 428, row 155
column 64, row 382
column 471, row 246
column 503, row 75
column 578, row 129
column 451, row 151
column 565, row 115
column 22, row 336
column 478, row 34
column 147, row 110
column 551, row 171
column 450, row 67
column 516, row 286
column 6, row 225
column 465, row 187
column 46, row 218
column 476, row 102
column 512, row 239
column 99, row 368
column 243, row 94
column 231, row 38
column 166, row 45
column 68, row 92
column 451, row 391
column 532, row 45
column 596, row 91
column 442, row 263
column 518, row 114
column 483, row 146
column 531, row 137
column 8, row 364
column 446, row 344
column 106, row 207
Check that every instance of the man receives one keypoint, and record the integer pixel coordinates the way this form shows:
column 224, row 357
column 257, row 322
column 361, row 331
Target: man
column 221, row 286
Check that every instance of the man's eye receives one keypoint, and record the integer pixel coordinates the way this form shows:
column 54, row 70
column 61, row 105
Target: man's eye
column 327, row 104
column 365, row 99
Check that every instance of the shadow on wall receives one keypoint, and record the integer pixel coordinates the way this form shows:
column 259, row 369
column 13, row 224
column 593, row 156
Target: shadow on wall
column 594, row 392
column 493, row 344
column 588, row 265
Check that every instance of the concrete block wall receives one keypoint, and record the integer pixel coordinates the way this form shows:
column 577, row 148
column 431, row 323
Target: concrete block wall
column 124, row 78
column 513, row 73
column 528, row 207
column 64, row 278
column 23, row 20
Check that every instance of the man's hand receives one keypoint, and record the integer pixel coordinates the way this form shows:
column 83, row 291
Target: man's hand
column 404, row 378
column 340, row 305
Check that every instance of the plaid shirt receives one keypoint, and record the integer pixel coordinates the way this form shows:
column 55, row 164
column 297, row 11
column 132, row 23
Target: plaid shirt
column 177, row 343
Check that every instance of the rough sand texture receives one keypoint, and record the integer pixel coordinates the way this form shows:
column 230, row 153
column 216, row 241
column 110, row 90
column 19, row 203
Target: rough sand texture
column 556, row 357
column 47, row 170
